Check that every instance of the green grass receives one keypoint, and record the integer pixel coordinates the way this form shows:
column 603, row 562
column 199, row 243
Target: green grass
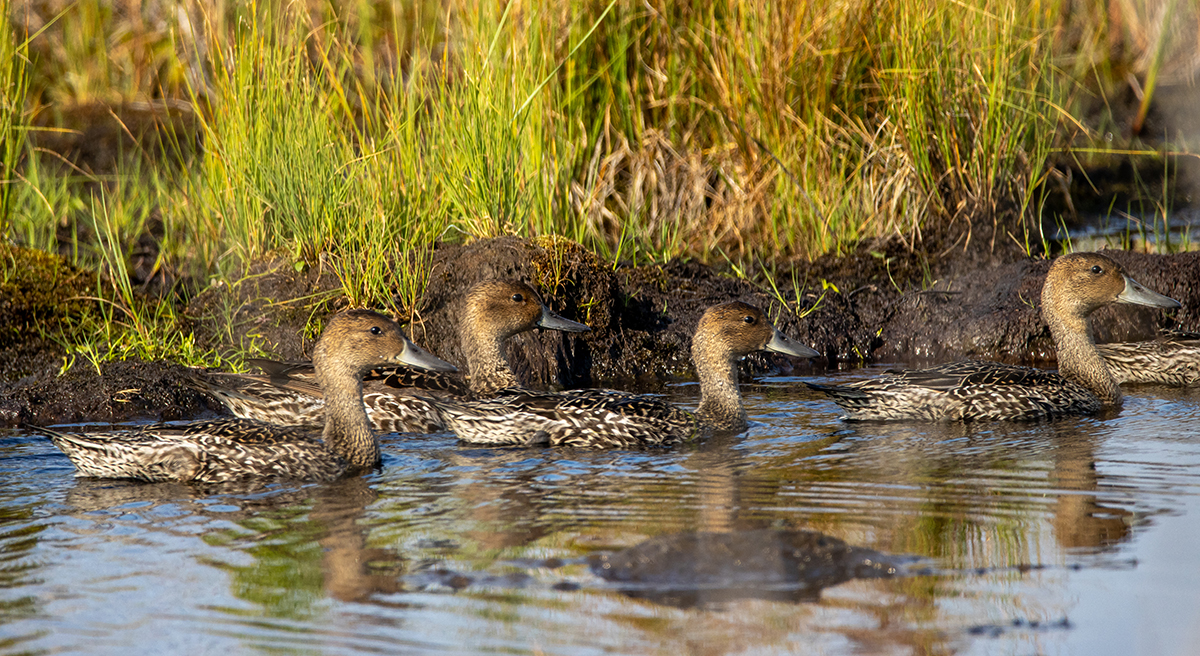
column 14, row 80
column 353, row 135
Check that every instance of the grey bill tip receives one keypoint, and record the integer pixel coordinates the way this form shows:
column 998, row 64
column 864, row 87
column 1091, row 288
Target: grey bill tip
column 555, row 322
column 1139, row 295
column 415, row 356
column 781, row 343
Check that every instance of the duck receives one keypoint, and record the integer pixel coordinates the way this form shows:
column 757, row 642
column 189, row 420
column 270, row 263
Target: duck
column 495, row 310
column 597, row 418
column 1076, row 285
column 234, row 449
column 1171, row 359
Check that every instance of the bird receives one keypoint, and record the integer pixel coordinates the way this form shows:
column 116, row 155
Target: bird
column 495, row 310
column 1172, row 359
column 232, row 449
column 599, row 418
column 1076, row 285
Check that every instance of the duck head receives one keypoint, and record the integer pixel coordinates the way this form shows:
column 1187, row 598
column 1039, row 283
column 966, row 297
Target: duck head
column 1080, row 283
column 361, row 339
column 737, row 329
column 503, row 308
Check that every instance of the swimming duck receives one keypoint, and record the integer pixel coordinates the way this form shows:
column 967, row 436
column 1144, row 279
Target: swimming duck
column 230, row 449
column 495, row 311
column 607, row 418
column 1076, row 285
column 1172, row 359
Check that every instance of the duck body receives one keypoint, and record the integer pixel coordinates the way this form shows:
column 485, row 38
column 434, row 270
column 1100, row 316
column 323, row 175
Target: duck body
column 1173, row 359
column 396, row 398
column 614, row 419
column 288, row 395
column 963, row 391
column 584, row 418
column 225, row 450
column 217, row 451
column 1076, row 285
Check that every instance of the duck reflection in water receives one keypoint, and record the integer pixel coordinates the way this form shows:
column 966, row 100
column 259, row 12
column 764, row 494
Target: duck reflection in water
column 269, row 524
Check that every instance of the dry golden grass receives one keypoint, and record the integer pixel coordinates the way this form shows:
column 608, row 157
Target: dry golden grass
column 641, row 129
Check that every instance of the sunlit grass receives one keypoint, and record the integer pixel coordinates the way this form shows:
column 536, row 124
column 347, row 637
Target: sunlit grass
column 14, row 81
column 354, row 135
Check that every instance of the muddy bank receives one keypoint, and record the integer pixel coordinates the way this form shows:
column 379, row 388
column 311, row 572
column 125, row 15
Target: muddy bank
column 122, row 391
column 642, row 318
column 994, row 313
column 883, row 304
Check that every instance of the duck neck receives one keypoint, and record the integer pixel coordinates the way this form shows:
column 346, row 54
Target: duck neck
column 347, row 428
column 487, row 366
column 1078, row 359
column 720, row 400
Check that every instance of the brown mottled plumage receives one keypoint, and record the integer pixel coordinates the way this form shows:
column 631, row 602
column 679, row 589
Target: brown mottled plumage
column 1076, row 285
column 495, row 311
column 1172, row 359
column 606, row 418
column 231, row 449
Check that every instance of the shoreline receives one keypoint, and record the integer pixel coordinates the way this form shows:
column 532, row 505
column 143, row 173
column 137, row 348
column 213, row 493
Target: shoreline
column 855, row 310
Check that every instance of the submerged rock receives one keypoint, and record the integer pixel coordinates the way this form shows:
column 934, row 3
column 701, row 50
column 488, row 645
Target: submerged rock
column 690, row 569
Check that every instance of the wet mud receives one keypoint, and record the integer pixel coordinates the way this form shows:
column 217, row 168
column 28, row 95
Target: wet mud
column 885, row 303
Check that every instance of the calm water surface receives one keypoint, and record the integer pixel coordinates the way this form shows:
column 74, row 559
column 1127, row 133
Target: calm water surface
column 1074, row 537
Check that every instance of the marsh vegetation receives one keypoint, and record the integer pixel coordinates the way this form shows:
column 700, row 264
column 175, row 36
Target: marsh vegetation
column 170, row 144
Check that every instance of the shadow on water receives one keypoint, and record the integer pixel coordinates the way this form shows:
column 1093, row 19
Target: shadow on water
column 806, row 533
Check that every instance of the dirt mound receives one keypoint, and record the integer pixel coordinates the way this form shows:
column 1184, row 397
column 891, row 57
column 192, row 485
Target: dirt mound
column 995, row 313
column 268, row 308
column 40, row 296
column 122, row 391
column 884, row 303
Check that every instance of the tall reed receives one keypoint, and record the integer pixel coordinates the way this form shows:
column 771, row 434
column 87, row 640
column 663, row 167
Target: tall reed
column 14, row 83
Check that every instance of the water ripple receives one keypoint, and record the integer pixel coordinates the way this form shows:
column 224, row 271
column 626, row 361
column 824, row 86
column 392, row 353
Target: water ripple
column 1028, row 524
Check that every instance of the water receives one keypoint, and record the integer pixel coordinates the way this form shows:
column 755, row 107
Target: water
column 1073, row 537
column 1179, row 231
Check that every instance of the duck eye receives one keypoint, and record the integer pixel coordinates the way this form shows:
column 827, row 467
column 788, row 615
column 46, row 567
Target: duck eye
column 748, row 319
column 517, row 298
column 376, row 330
column 1096, row 269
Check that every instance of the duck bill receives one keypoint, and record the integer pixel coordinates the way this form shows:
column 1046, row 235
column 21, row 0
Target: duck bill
column 555, row 322
column 781, row 343
column 1139, row 295
column 415, row 356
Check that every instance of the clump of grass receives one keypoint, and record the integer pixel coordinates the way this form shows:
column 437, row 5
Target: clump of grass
column 102, row 51
column 129, row 324
column 14, row 83
column 289, row 169
column 751, row 128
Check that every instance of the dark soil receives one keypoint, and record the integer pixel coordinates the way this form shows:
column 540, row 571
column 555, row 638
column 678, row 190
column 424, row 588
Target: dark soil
column 885, row 303
column 124, row 391
column 268, row 308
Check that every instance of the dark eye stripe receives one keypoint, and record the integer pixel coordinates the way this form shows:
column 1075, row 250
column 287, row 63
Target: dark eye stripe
column 376, row 330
